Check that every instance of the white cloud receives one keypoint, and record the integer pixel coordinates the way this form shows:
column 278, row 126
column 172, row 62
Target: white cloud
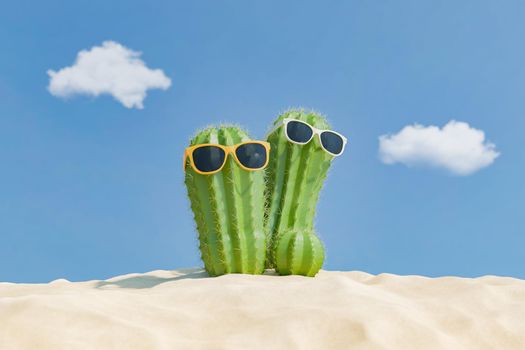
column 108, row 69
column 456, row 147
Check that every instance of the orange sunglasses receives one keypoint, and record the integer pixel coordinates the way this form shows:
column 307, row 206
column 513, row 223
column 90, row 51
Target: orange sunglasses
column 210, row 158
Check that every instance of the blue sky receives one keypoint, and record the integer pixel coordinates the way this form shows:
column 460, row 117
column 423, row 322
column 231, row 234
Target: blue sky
column 90, row 189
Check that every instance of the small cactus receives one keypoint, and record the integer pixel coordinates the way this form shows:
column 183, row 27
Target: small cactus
column 228, row 208
column 295, row 176
column 298, row 253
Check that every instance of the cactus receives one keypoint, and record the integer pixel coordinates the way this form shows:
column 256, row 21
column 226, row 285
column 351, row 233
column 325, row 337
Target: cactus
column 298, row 253
column 295, row 176
column 228, row 208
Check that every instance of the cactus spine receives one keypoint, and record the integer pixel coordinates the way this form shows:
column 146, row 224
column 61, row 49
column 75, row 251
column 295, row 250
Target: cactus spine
column 228, row 209
column 295, row 176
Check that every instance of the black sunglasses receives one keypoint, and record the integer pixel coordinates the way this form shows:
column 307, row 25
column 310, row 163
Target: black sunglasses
column 301, row 133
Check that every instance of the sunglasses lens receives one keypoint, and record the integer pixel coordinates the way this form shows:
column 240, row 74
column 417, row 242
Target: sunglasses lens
column 332, row 142
column 252, row 155
column 299, row 132
column 208, row 158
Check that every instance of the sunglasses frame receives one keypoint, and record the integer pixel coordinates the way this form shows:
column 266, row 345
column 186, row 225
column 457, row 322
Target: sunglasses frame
column 188, row 153
column 315, row 131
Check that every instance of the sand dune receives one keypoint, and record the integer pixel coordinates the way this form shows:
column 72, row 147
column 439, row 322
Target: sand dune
column 184, row 309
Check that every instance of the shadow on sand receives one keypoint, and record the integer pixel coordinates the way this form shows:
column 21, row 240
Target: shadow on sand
column 147, row 281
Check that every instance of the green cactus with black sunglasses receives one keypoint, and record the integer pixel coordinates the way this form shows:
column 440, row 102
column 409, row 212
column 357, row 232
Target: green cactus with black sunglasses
column 295, row 176
column 228, row 208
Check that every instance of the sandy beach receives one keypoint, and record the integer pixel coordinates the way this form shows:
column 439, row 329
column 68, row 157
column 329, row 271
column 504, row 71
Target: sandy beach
column 185, row 309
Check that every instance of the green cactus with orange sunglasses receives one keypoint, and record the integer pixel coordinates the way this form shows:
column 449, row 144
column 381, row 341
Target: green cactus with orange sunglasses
column 224, row 178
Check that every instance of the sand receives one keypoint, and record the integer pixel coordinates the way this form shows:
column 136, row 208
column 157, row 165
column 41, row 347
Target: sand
column 185, row 309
